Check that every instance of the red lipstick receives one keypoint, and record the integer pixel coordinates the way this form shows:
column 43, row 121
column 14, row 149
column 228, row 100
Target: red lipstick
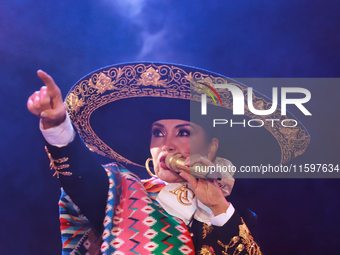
column 162, row 162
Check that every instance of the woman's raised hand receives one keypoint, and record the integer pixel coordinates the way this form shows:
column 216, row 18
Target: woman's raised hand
column 47, row 103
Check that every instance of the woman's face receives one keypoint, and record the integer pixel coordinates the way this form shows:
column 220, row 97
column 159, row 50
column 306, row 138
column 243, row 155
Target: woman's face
column 175, row 136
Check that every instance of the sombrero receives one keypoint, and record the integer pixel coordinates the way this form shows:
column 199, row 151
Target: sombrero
column 113, row 109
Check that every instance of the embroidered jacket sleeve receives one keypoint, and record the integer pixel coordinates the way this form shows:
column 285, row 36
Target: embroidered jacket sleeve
column 87, row 185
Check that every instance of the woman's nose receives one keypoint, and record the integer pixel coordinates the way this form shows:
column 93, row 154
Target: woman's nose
column 169, row 145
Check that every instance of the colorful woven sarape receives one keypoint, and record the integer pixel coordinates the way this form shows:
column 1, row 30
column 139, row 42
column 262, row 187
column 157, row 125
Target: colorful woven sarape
column 134, row 222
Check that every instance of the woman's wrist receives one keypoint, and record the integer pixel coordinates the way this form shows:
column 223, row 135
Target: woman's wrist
column 220, row 207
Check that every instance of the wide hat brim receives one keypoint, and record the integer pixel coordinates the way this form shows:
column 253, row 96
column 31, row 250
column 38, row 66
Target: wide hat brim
column 114, row 107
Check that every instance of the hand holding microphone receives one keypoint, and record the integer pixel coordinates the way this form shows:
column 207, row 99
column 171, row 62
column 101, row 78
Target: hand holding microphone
column 209, row 188
column 175, row 162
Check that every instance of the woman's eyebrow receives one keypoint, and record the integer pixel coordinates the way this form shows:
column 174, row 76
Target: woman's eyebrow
column 157, row 124
column 185, row 125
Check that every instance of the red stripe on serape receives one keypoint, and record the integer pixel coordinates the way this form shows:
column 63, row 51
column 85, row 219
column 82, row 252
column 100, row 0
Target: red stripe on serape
column 170, row 245
column 119, row 182
column 76, row 233
column 169, row 235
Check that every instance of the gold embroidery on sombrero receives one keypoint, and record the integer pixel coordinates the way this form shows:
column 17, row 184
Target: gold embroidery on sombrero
column 151, row 77
column 76, row 102
column 127, row 84
column 167, row 81
column 102, row 83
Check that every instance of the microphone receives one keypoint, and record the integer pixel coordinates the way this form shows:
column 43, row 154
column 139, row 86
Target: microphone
column 175, row 162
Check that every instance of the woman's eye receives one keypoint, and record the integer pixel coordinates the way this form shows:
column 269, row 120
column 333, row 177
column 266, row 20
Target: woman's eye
column 157, row 133
column 183, row 132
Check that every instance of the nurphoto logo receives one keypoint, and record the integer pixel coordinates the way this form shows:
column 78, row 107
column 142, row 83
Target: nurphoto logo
column 239, row 104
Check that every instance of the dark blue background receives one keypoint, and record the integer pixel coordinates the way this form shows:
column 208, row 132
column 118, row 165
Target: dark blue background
column 68, row 39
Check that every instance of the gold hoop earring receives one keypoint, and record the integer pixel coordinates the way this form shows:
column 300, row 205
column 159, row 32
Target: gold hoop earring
column 148, row 168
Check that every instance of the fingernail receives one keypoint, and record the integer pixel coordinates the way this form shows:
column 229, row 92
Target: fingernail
column 43, row 114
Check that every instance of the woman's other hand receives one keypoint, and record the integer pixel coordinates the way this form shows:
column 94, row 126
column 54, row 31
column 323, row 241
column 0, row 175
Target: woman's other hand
column 207, row 191
column 47, row 103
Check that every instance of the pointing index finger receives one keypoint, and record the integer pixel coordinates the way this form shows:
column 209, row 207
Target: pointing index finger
column 48, row 80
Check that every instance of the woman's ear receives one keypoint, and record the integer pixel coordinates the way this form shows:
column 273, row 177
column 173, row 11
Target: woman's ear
column 212, row 149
